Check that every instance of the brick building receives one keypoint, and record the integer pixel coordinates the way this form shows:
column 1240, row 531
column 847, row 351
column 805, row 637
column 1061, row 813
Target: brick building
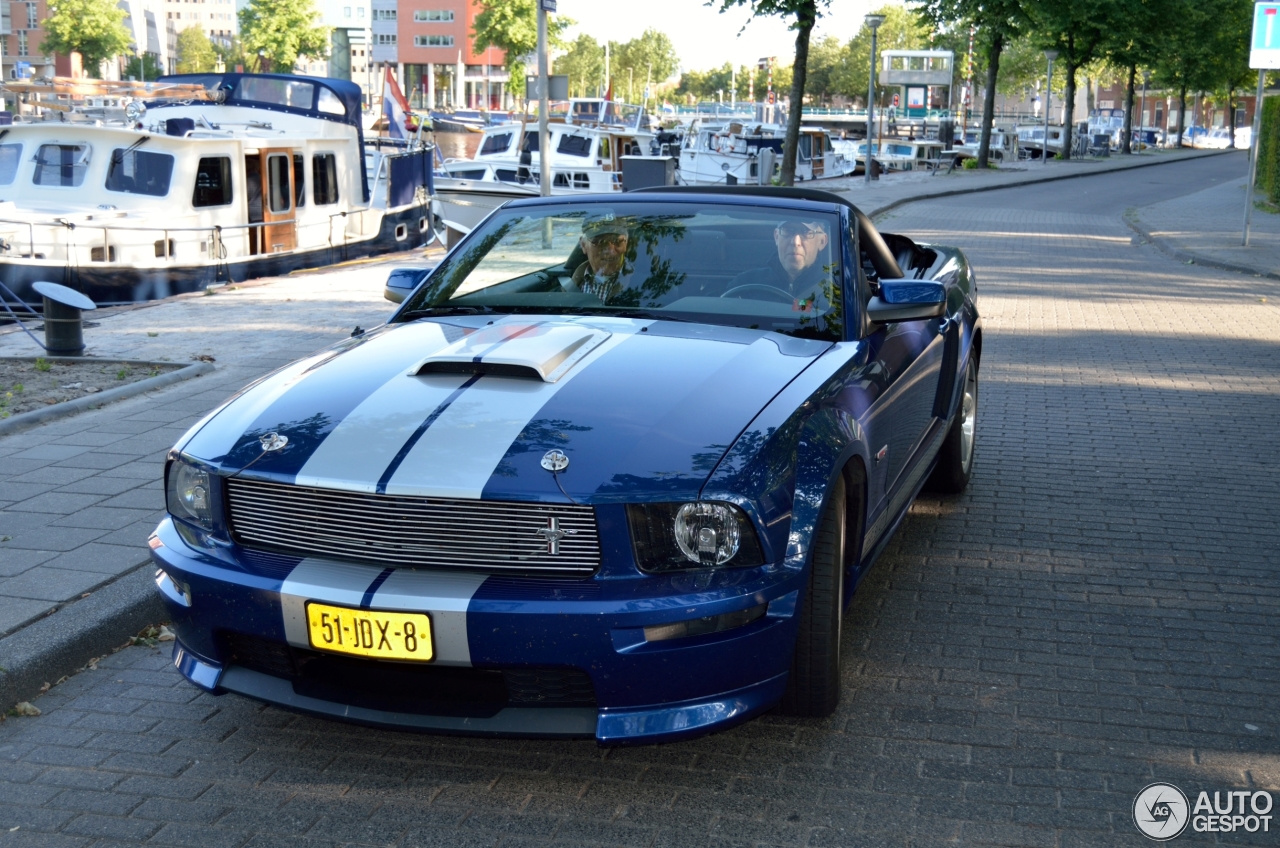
column 430, row 44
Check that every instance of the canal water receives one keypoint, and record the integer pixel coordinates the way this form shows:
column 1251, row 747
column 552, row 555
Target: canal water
column 455, row 145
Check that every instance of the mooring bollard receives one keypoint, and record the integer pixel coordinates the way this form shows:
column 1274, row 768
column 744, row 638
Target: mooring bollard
column 63, row 327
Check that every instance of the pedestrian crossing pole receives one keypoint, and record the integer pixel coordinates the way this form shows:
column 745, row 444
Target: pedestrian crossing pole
column 1264, row 54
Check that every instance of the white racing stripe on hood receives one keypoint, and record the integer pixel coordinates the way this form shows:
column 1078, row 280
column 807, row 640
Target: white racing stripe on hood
column 445, row 596
column 354, row 455
column 458, row 453
column 341, row 583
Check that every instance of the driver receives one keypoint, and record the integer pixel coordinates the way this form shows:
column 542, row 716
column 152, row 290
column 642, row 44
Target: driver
column 795, row 270
column 604, row 241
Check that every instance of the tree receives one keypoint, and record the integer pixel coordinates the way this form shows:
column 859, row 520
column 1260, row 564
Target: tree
column 996, row 23
column 281, row 31
column 651, row 56
column 195, row 51
column 805, row 14
column 1077, row 29
column 900, row 31
column 512, row 26
column 827, row 60
column 146, row 68
column 93, row 28
column 584, row 65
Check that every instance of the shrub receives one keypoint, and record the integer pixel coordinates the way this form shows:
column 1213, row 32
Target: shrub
column 1269, row 150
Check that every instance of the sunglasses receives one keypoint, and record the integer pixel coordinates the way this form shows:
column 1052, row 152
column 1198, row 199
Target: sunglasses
column 609, row 240
column 805, row 231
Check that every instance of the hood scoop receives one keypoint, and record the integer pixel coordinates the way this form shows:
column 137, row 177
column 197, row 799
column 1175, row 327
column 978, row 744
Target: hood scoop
column 544, row 351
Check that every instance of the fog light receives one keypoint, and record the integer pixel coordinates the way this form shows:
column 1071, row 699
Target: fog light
column 705, row 625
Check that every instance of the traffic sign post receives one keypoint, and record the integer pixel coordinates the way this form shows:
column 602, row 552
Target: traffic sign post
column 1264, row 54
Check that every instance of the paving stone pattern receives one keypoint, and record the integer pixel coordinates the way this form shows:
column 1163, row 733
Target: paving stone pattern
column 1096, row 613
column 79, row 496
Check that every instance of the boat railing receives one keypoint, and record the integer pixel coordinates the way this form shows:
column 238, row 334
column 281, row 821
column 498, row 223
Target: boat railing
column 103, row 252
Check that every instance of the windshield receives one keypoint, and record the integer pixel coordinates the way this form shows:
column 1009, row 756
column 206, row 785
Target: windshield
column 744, row 266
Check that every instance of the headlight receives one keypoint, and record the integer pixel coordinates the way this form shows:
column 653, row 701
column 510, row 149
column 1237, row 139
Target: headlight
column 188, row 495
column 705, row 534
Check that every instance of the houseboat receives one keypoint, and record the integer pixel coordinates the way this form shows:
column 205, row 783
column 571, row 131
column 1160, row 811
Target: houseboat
column 194, row 180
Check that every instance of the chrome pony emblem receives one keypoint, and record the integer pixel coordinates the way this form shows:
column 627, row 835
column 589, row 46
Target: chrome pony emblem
column 552, row 534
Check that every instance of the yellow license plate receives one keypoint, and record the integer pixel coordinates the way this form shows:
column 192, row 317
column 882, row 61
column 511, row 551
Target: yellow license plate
column 370, row 633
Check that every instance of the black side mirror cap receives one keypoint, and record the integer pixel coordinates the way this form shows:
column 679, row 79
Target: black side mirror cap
column 402, row 281
column 907, row 300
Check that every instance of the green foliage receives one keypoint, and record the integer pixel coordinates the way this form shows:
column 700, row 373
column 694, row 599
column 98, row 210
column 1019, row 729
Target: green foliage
column 584, row 65
column 233, row 54
column 42, row 364
column 901, row 30
column 195, row 51
column 827, row 67
column 1269, row 150
column 652, row 49
column 146, row 68
column 512, row 26
column 281, row 31
column 93, row 28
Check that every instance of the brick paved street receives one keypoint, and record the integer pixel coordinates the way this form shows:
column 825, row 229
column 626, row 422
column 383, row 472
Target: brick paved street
column 1098, row 612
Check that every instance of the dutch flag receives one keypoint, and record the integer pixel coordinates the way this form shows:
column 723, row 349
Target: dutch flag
column 394, row 107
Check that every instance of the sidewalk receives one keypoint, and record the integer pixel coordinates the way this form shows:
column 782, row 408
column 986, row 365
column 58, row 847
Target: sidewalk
column 1206, row 228
column 79, row 496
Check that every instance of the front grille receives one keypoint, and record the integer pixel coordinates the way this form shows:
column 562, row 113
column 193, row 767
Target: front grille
column 409, row 687
column 396, row 530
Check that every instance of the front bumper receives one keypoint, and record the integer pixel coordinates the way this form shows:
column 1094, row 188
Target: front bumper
column 487, row 626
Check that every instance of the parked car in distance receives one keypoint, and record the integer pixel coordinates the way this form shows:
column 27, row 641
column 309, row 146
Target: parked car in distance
column 613, row 469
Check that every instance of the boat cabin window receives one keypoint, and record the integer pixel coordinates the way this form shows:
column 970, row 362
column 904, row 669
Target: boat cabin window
column 574, row 145
column 531, row 142
column 213, row 182
column 324, row 173
column 806, row 147
column 139, row 172
column 10, row 156
column 278, row 194
column 497, row 143
column 61, row 165
column 604, row 148
column 330, row 103
column 300, row 95
column 299, row 181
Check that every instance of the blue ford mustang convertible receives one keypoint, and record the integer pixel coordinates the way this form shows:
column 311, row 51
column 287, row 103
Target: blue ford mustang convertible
column 613, row 469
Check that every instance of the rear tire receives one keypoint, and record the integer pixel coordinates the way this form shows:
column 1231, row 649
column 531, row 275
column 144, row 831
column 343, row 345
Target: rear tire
column 813, row 686
column 955, row 461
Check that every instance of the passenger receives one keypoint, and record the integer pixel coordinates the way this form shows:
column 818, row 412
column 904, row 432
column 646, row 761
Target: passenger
column 604, row 241
column 796, row 270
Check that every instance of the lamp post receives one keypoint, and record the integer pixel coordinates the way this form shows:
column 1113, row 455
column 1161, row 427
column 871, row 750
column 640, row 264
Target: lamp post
column 872, row 21
column 544, row 157
column 1048, row 99
column 1142, row 109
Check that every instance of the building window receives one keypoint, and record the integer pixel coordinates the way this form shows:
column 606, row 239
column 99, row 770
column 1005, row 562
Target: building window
column 385, row 38
column 431, row 16
column 433, row 41
column 33, row 19
column 384, row 14
column 346, row 11
column 22, row 42
column 360, row 11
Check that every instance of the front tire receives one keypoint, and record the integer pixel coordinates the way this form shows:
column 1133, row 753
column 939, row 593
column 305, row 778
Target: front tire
column 813, row 686
column 955, row 461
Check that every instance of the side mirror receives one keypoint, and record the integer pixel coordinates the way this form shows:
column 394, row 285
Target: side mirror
column 402, row 281
column 907, row 300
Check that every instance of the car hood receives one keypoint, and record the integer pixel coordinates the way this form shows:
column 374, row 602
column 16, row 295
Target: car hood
column 468, row 407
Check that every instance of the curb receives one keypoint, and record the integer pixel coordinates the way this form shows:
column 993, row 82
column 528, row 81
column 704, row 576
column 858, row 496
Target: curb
column 1047, row 178
column 36, row 417
column 1170, row 250
column 62, row 642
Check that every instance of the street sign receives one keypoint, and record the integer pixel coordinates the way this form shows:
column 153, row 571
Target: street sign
column 1265, row 46
column 546, row 5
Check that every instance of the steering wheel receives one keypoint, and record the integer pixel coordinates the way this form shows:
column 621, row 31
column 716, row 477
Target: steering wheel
column 773, row 293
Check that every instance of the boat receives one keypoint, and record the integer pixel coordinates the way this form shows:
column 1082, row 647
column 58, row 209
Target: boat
column 909, row 155
column 588, row 138
column 735, row 152
column 459, row 120
column 1003, row 146
column 194, row 180
column 1031, row 141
